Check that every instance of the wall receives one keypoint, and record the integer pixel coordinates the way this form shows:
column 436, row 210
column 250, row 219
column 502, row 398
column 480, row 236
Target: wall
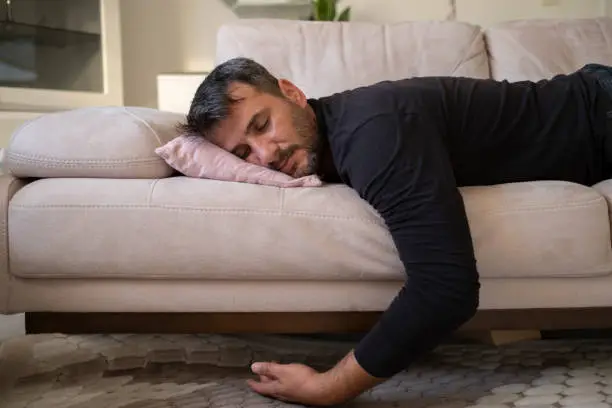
column 170, row 36
column 487, row 12
column 397, row 10
column 179, row 35
column 608, row 8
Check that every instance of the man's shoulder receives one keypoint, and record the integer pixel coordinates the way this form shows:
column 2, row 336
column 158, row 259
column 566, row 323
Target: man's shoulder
column 390, row 96
column 359, row 121
column 349, row 109
column 375, row 92
column 362, row 96
column 346, row 112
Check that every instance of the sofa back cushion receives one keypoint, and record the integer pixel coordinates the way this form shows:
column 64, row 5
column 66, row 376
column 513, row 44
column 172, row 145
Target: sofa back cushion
column 326, row 57
column 536, row 49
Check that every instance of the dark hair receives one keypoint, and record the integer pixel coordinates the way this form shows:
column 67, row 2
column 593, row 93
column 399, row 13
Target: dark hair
column 212, row 100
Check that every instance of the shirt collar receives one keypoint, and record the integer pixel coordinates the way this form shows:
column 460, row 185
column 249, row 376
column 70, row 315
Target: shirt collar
column 325, row 167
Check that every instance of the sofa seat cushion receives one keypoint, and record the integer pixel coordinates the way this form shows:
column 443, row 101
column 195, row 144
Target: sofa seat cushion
column 539, row 229
column 112, row 142
column 184, row 228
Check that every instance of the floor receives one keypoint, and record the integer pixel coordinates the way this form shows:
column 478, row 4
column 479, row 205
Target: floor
column 180, row 371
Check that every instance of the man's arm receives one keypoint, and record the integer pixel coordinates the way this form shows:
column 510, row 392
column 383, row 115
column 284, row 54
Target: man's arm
column 402, row 168
column 399, row 164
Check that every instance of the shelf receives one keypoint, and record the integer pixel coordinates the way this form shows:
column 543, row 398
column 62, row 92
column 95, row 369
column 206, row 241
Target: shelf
column 45, row 36
column 60, row 54
column 267, row 3
column 294, row 9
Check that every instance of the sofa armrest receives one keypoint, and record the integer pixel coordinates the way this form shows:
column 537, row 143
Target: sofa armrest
column 605, row 189
column 9, row 185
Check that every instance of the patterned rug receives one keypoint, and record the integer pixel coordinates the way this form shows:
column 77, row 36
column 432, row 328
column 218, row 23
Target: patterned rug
column 181, row 371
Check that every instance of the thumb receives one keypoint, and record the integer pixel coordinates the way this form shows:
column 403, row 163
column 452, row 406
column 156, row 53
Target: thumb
column 267, row 369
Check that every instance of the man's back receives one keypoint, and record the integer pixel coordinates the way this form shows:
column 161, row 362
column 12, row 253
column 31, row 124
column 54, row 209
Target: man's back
column 494, row 132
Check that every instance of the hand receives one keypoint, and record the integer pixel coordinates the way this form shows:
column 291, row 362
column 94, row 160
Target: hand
column 301, row 384
column 295, row 383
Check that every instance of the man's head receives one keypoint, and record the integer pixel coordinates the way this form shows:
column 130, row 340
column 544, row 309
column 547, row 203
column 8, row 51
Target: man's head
column 244, row 109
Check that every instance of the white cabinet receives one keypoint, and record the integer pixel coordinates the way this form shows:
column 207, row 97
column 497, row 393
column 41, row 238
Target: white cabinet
column 59, row 54
column 176, row 90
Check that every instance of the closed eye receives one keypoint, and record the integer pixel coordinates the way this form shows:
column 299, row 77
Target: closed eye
column 259, row 122
column 263, row 126
column 242, row 151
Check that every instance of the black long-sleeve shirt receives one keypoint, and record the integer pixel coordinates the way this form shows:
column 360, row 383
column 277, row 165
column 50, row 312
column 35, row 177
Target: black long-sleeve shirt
column 405, row 146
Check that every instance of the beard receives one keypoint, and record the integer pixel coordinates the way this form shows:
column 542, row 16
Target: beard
column 306, row 131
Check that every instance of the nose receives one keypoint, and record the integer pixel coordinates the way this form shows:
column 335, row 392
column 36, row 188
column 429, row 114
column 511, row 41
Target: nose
column 265, row 151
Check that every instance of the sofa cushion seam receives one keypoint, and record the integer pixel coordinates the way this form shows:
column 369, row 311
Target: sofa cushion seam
column 531, row 208
column 80, row 165
column 147, row 125
column 549, row 207
column 274, row 212
column 37, row 157
column 151, row 191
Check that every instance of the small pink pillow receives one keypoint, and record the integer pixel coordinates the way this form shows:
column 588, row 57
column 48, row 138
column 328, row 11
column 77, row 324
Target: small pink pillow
column 195, row 156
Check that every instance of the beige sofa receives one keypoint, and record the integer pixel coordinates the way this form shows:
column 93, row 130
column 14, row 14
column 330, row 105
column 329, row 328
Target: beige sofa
column 93, row 221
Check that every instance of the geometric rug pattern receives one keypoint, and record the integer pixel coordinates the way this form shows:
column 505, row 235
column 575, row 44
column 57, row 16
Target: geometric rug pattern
column 184, row 371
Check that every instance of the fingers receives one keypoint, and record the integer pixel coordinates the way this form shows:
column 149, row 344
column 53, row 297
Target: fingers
column 269, row 388
column 265, row 378
column 272, row 379
column 272, row 370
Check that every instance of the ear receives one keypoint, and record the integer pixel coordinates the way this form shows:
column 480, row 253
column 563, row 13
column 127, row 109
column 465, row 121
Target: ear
column 292, row 92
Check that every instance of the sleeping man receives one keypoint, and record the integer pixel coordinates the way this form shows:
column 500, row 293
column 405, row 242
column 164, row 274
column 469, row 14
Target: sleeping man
column 405, row 147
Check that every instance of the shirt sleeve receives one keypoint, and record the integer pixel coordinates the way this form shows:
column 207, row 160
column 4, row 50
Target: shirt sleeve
column 399, row 164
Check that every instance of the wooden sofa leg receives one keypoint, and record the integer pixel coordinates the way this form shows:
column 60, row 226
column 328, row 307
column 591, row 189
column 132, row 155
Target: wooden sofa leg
column 501, row 337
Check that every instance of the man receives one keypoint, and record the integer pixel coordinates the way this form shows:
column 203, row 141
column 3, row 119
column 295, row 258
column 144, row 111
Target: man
column 405, row 146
